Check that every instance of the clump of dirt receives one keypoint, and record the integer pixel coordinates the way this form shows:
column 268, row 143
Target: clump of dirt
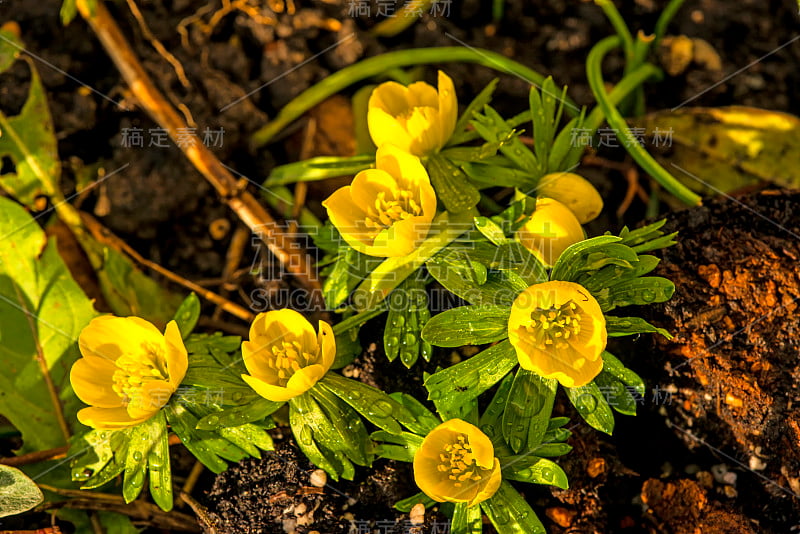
column 733, row 363
column 682, row 507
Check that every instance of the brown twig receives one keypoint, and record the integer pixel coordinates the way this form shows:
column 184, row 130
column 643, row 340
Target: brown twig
column 203, row 517
column 191, row 480
column 172, row 60
column 232, row 259
column 104, row 235
column 35, row 457
column 233, row 193
column 138, row 510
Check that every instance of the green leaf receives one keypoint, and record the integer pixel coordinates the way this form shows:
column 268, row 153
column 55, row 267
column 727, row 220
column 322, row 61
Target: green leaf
column 318, row 168
column 510, row 514
column 466, row 520
column 492, row 127
column 158, row 464
column 424, row 420
column 565, row 152
column 18, row 493
column 112, row 449
column 616, row 394
column 41, row 308
column 453, row 189
column 592, row 406
column 491, row 419
column 527, row 468
column 627, row 326
column 389, row 274
column 567, row 266
column 187, row 315
column 208, row 447
column 374, row 405
column 486, row 174
column 639, row 291
column 477, row 104
column 141, row 440
column 256, row 410
column 491, row 231
column 304, row 436
column 350, row 268
column 617, row 369
column 348, row 430
column 467, row 325
column 528, row 408
column 127, row 289
column 401, row 447
column 408, row 313
column 28, row 138
column 459, row 384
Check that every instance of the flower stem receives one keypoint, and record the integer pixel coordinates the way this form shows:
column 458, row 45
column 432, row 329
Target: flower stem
column 373, row 66
column 595, row 75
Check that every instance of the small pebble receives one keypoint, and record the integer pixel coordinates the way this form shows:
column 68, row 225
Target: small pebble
column 318, row 478
column 417, row 514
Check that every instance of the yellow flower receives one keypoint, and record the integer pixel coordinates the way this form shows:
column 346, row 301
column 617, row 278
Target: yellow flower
column 284, row 356
column 575, row 192
column 386, row 211
column 558, row 331
column 550, row 230
column 456, row 463
column 128, row 372
column 418, row 118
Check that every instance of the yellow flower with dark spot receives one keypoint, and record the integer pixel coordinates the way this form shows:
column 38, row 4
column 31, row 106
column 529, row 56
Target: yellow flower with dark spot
column 550, row 230
column 284, row 356
column 418, row 118
column 558, row 331
column 456, row 463
column 128, row 372
column 386, row 211
column 575, row 192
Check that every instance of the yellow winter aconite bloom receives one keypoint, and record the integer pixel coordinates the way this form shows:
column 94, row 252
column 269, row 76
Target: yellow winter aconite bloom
column 575, row 192
column 550, row 230
column 456, row 463
column 284, row 356
column 558, row 331
column 128, row 372
column 418, row 118
column 386, row 211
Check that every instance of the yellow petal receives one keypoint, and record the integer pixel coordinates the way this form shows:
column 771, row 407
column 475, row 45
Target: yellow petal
column 107, row 418
column 150, row 398
column 91, row 379
column 427, row 134
column 177, row 357
column 108, row 337
column 304, row 379
column 550, row 230
column 448, row 106
column 421, row 94
column 390, row 97
column 481, row 445
column 575, row 192
column 405, row 169
column 327, row 345
column 269, row 391
column 385, row 129
column 348, row 218
column 490, row 486
column 368, row 184
column 400, row 239
column 276, row 327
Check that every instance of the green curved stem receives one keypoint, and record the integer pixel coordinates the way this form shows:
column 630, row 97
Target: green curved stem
column 666, row 17
column 379, row 64
column 629, row 83
column 594, row 73
column 616, row 20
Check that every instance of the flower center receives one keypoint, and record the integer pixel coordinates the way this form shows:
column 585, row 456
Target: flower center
column 552, row 327
column 458, row 462
column 133, row 371
column 385, row 212
column 287, row 358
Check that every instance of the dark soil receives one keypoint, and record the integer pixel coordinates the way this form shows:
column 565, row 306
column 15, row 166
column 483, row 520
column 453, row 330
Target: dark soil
column 734, row 390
